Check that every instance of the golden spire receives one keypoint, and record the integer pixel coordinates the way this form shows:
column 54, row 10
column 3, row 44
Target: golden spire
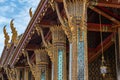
column 14, row 32
column 30, row 12
column 6, row 36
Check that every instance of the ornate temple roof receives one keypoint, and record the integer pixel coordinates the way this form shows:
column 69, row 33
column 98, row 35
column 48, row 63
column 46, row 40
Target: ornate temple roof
column 45, row 16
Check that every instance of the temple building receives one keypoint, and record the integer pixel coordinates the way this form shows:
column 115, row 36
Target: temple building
column 65, row 40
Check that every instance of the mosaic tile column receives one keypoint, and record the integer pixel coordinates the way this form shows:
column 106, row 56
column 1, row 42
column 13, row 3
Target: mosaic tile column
column 59, row 52
column 78, row 54
column 76, row 30
column 42, row 62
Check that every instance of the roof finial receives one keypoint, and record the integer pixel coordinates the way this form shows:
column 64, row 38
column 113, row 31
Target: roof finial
column 14, row 32
column 30, row 12
column 6, row 36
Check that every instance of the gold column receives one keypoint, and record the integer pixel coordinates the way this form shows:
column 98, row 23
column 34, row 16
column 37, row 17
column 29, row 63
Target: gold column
column 26, row 74
column 2, row 77
column 42, row 61
column 33, row 67
column 117, row 54
column 59, row 46
column 76, row 30
column 18, row 74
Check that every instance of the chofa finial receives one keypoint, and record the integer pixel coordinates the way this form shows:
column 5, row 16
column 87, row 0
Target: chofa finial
column 6, row 36
column 14, row 32
column 30, row 12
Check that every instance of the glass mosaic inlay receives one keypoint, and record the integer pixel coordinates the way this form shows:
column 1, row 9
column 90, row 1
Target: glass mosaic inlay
column 60, row 65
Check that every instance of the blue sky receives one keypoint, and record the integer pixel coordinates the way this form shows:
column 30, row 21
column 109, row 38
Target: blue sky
column 17, row 10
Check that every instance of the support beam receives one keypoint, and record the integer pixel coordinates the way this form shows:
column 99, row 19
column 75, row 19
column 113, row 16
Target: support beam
column 106, row 44
column 109, row 12
column 32, row 47
column 105, row 15
column 96, row 27
column 104, row 4
column 90, row 26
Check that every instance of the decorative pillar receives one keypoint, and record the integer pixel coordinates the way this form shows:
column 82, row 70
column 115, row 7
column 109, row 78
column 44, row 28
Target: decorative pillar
column 117, row 54
column 26, row 74
column 76, row 30
column 59, row 52
column 33, row 67
column 2, row 77
column 18, row 74
column 78, row 54
column 42, row 61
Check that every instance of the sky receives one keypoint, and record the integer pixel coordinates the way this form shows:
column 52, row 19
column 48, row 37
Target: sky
column 17, row 10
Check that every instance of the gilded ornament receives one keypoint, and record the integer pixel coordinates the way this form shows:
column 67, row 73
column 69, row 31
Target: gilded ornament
column 41, row 56
column 30, row 12
column 76, row 18
column 52, row 4
column 48, row 45
column 58, row 31
column 33, row 67
column 11, row 73
column 64, row 23
column 14, row 32
column 6, row 36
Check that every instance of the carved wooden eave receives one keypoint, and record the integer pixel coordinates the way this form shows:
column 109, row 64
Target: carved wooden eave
column 9, row 53
column 6, row 55
column 29, row 31
column 3, row 57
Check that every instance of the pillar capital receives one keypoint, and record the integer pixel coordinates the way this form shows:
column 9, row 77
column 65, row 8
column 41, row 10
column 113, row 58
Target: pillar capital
column 58, row 34
column 41, row 56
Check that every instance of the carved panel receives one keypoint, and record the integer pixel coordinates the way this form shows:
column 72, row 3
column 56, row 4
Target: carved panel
column 41, row 56
column 58, row 34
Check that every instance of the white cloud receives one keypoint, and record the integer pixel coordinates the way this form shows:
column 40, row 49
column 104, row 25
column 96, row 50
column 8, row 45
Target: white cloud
column 6, row 9
column 1, row 1
column 12, row 4
column 31, row 3
column 22, row 19
column 4, row 20
column 19, row 13
column 1, row 42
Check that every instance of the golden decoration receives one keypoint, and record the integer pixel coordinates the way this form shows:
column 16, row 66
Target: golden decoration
column 59, row 42
column 48, row 45
column 52, row 4
column 30, row 12
column 58, row 31
column 64, row 24
column 6, row 36
column 75, row 25
column 11, row 73
column 41, row 56
column 14, row 32
column 33, row 67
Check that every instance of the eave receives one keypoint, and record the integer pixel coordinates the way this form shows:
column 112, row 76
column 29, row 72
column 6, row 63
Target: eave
column 28, row 32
